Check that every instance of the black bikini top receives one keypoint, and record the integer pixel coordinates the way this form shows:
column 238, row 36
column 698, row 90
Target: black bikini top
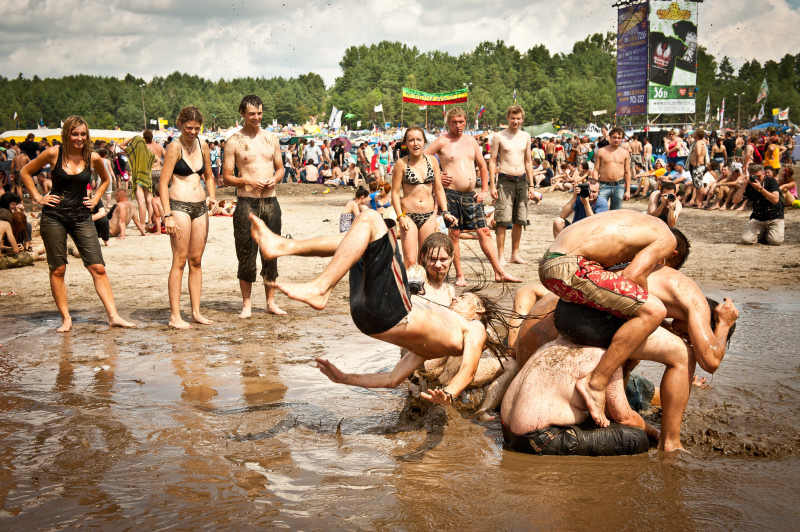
column 183, row 169
column 410, row 176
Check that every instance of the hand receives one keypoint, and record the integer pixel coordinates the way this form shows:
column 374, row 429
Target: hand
column 405, row 223
column 726, row 312
column 213, row 206
column 331, row 371
column 479, row 197
column 493, row 192
column 627, row 195
column 171, row 227
column 437, row 397
column 452, row 219
column 88, row 203
column 447, row 179
column 256, row 184
column 49, row 200
column 269, row 182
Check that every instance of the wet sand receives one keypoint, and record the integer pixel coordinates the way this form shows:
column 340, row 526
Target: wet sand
column 230, row 425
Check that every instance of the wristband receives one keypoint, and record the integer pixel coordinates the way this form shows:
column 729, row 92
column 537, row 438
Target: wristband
column 401, row 215
column 167, row 215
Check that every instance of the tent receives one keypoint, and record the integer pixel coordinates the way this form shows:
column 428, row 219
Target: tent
column 19, row 135
column 777, row 127
column 535, row 131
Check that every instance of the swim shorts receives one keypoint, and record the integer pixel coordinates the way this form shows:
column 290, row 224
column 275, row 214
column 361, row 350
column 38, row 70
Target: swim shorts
column 379, row 295
column 512, row 200
column 195, row 209
column 467, row 211
column 586, row 439
column 639, row 391
column 269, row 211
column 576, row 279
column 585, row 325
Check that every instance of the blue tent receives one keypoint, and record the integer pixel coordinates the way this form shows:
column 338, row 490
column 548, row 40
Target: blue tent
column 778, row 127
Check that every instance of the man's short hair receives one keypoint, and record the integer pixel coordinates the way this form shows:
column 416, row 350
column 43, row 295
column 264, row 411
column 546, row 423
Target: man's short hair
column 436, row 241
column 682, row 248
column 514, row 109
column 454, row 112
column 615, row 130
column 120, row 193
column 668, row 185
column 30, row 136
column 147, row 135
column 363, row 193
column 592, row 181
column 699, row 133
column 755, row 168
column 250, row 99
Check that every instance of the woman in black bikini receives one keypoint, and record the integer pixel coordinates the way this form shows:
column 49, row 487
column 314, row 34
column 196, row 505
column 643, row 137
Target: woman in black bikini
column 418, row 176
column 186, row 206
column 67, row 210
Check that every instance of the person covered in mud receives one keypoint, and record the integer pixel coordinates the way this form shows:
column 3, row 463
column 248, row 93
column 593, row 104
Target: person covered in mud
column 575, row 267
column 380, row 304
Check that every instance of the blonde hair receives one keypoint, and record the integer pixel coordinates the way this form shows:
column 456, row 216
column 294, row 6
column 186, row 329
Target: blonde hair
column 514, row 109
column 71, row 124
column 454, row 112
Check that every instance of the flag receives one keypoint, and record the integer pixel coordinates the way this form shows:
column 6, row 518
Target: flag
column 761, row 112
column 336, row 123
column 423, row 107
column 378, row 108
column 62, row 123
column 784, row 115
column 15, row 115
column 334, row 110
column 444, row 110
column 41, row 122
column 435, row 98
column 764, row 92
column 708, row 108
column 515, row 96
column 480, row 113
column 722, row 113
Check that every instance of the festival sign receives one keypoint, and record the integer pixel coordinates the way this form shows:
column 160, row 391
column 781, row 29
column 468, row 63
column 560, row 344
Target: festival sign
column 434, row 98
column 672, row 57
column 632, row 60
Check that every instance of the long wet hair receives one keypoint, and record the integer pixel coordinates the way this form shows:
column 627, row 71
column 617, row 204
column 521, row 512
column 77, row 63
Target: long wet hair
column 71, row 124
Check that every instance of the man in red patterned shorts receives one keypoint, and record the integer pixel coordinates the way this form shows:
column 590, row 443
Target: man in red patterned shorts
column 575, row 268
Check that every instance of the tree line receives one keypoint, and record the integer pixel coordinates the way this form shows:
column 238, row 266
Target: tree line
column 562, row 87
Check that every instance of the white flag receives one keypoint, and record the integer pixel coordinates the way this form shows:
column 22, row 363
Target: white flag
column 722, row 113
column 784, row 115
column 15, row 115
column 358, row 123
column 761, row 112
column 337, row 120
column 333, row 116
column 423, row 107
column 708, row 107
column 378, row 108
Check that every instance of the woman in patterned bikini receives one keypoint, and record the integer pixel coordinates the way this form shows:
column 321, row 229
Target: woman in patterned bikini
column 418, row 176
column 186, row 207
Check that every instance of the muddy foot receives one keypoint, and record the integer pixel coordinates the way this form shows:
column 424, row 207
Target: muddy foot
column 179, row 324
column 505, row 277
column 595, row 401
column 272, row 308
column 66, row 326
column 305, row 292
column 202, row 320
column 269, row 243
column 116, row 321
column 516, row 259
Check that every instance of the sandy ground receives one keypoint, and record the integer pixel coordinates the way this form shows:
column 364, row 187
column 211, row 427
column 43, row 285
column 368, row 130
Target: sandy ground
column 138, row 266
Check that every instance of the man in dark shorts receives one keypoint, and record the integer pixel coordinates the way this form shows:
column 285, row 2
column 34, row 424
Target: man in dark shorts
column 380, row 303
column 257, row 155
column 458, row 156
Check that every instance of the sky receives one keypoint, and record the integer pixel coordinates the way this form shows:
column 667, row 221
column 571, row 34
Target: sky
column 265, row 38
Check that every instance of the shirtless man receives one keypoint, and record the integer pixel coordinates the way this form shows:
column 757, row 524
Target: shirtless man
column 16, row 165
column 747, row 154
column 155, row 175
column 697, row 162
column 511, row 182
column 612, row 167
column 575, row 268
column 635, row 147
column 380, row 303
column 121, row 215
column 257, row 155
column 458, row 155
column 647, row 155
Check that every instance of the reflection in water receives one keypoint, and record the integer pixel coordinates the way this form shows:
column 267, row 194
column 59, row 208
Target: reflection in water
column 228, row 427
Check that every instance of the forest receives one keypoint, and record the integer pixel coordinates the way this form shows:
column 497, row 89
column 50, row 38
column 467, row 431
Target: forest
column 564, row 88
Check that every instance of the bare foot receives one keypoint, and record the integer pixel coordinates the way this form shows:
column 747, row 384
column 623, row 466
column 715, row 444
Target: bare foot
column 247, row 311
column 483, row 415
column 116, row 321
column 595, row 401
column 503, row 263
column 669, row 447
column 272, row 308
column 179, row 323
column 461, row 281
column 724, row 208
column 714, row 207
column 202, row 320
column 305, row 292
column 516, row 259
column 66, row 326
column 269, row 243
column 505, row 277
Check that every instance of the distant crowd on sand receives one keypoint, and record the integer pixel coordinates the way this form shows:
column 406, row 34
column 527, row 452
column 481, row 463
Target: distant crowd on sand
column 558, row 365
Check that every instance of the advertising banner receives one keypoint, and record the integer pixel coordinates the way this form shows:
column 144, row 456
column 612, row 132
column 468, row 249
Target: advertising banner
column 632, row 59
column 672, row 57
column 434, row 98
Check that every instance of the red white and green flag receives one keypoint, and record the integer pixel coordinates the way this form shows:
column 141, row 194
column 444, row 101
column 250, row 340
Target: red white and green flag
column 434, row 98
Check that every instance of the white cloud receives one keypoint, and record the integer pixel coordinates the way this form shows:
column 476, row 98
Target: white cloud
column 238, row 38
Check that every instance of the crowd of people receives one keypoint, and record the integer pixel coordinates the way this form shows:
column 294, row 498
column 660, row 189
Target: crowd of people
column 606, row 283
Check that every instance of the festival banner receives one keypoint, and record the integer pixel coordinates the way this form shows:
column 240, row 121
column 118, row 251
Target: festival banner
column 672, row 57
column 763, row 92
column 632, row 59
column 783, row 115
column 434, row 98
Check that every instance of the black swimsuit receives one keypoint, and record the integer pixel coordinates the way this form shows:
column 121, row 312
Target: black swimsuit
column 183, row 169
column 410, row 178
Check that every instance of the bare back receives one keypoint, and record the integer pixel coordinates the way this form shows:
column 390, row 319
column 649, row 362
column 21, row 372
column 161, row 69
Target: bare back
column 614, row 237
column 255, row 158
column 159, row 152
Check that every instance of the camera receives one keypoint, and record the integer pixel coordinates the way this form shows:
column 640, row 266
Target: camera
column 753, row 179
column 671, row 197
column 416, row 280
column 584, row 191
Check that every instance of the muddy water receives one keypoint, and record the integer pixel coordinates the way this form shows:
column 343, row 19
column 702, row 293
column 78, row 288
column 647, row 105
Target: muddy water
column 232, row 426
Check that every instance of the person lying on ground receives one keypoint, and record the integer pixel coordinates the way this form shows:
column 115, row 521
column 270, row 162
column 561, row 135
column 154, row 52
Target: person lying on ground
column 575, row 267
column 380, row 303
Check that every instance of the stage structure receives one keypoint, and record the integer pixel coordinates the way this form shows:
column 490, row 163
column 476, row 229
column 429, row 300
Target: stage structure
column 657, row 60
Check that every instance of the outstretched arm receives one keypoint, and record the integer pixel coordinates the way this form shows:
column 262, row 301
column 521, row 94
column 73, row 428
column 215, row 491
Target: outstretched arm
column 385, row 379
column 474, row 338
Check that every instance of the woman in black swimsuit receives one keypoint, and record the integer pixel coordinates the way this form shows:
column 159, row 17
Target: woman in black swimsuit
column 67, row 210
column 186, row 166
column 418, row 176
